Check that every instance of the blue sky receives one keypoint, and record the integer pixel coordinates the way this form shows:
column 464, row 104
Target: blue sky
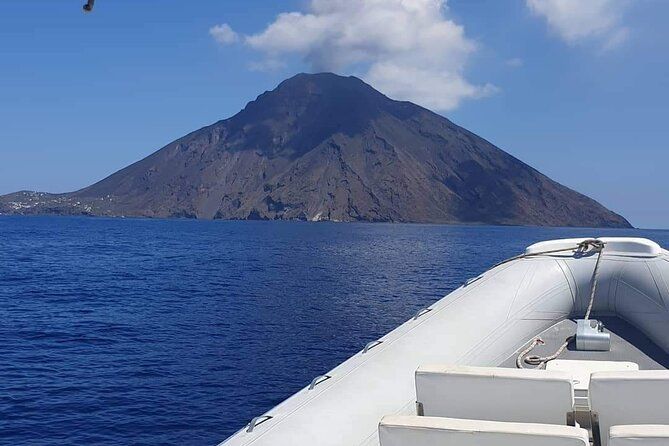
column 579, row 92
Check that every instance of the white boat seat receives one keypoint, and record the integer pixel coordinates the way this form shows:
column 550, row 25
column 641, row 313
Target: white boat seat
column 580, row 372
column 397, row 430
column 495, row 394
column 639, row 435
column 626, row 398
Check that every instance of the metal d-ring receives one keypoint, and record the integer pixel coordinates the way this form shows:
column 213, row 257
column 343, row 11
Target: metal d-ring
column 472, row 280
column 257, row 421
column 421, row 312
column 317, row 380
column 370, row 346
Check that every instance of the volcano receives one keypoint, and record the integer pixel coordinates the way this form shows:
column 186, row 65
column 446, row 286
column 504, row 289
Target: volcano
column 327, row 147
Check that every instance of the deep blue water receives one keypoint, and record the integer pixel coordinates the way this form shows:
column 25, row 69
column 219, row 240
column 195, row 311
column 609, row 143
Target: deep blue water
column 178, row 332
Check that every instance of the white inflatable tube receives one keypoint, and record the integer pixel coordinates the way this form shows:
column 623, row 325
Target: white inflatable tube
column 481, row 323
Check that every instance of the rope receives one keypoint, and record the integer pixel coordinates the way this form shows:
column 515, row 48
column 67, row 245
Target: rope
column 519, row 359
column 540, row 361
column 599, row 246
column 534, row 254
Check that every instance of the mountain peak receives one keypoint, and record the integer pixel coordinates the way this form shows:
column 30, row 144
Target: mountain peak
column 322, row 90
column 324, row 82
column 307, row 109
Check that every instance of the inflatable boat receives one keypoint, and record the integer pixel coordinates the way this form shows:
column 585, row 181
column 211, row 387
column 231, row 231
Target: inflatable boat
column 526, row 353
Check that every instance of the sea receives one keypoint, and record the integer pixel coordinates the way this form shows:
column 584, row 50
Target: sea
column 155, row 332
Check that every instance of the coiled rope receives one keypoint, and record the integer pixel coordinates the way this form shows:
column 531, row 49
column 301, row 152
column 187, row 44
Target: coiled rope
column 539, row 362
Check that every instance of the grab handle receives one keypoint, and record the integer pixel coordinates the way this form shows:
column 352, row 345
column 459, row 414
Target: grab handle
column 317, row 380
column 257, row 421
column 421, row 312
column 472, row 280
column 370, row 346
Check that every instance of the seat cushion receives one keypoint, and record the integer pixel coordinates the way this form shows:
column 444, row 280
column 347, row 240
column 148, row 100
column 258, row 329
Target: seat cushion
column 629, row 398
column 433, row 431
column 639, row 435
column 495, row 394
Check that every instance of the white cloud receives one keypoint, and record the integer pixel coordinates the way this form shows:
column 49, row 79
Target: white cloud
column 408, row 49
column 437, row 90
column 514, row 62
column 579, row 20
column 223, row 34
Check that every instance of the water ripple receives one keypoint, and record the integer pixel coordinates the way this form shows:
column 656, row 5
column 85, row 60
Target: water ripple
column 155, row 332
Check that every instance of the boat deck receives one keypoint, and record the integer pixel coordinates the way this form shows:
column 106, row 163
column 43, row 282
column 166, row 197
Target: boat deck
column 627, row 344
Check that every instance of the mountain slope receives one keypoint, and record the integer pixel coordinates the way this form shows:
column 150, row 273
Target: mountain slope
column 326, row 147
